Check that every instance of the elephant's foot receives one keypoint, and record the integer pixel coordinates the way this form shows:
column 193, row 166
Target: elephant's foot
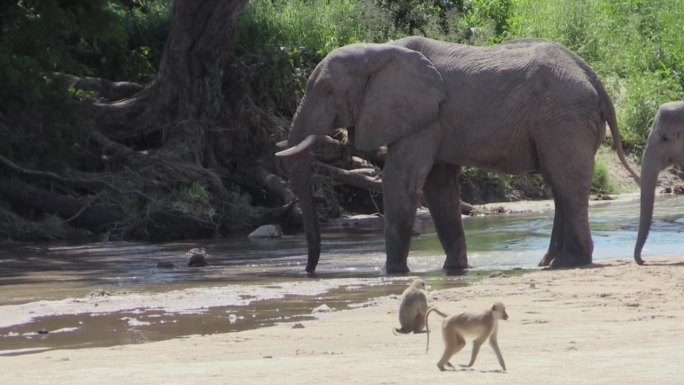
column 456, row 266
column 546, row 260
column 396, row 268
column 457, row 262
column 565, row 259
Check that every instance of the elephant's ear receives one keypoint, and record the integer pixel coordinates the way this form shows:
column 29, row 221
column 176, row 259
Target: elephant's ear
column 402, row 95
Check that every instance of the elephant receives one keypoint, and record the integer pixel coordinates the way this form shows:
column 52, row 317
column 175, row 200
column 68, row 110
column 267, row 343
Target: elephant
column 518, row 107
column 664, row 147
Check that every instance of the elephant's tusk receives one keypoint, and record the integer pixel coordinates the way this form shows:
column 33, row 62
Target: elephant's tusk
column 282, row 144
column 299, row 148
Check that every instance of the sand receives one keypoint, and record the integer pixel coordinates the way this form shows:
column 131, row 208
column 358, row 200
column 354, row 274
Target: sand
column 612, row 323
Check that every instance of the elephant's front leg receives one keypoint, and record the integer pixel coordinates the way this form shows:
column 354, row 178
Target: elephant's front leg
column 406, row 167
column 444, row 200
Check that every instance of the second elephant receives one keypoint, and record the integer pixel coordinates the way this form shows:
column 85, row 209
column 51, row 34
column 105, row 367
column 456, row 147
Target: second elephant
column 665, row 147
column 523, row 106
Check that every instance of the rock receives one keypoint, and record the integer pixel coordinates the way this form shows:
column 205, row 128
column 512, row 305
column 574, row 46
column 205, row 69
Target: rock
column 267, row 231
column 165, row 265
column 298, row 325
column 197, row 257
column 232, row 318
column 43, row 331
column 322, row 309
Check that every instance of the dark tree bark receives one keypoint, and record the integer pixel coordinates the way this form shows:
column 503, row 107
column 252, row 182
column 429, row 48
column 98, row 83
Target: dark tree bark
column 190, row 79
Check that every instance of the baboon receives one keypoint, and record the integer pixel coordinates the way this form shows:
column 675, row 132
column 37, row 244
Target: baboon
column 413, row 308
column 482, row 326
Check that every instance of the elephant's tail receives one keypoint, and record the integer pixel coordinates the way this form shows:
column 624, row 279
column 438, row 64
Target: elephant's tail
column 609, row 116
column 608, row 113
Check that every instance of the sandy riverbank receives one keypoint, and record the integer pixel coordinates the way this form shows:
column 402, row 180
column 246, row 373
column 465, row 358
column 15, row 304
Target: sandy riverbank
column 612, row 323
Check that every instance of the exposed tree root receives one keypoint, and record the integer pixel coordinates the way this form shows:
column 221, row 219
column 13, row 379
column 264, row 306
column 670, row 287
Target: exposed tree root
column 106, row 89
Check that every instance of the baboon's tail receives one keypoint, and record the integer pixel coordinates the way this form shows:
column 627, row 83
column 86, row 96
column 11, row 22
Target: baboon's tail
column 427, row 326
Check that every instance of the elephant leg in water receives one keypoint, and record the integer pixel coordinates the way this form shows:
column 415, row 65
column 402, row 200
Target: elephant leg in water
column 442, row 194
column 570, row 238
column 403, row 177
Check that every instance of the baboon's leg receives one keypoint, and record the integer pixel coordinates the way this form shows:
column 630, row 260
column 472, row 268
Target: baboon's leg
column 495, row 345
column 476, row 349
column 419, row 323
column 453, row 342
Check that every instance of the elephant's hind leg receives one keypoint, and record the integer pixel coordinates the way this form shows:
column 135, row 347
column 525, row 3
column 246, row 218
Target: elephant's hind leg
column 444, row 200
column 571, row 183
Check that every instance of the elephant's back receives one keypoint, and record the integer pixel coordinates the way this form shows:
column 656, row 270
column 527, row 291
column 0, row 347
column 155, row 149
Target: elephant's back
column 513, row 61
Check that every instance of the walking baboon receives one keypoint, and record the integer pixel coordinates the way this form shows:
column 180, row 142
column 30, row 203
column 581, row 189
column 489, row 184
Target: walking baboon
column 413, row 308
column 482, row 326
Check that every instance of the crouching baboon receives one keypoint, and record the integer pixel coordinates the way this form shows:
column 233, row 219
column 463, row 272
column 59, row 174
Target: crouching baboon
column 413, row 308
column 482, row 326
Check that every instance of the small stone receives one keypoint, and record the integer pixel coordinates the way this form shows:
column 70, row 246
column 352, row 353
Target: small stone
column 322, row 309
column 43, row 331
column 232, row 318
column 298, row 325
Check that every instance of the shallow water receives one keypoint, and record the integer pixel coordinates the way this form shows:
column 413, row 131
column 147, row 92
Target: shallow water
column 105, row 294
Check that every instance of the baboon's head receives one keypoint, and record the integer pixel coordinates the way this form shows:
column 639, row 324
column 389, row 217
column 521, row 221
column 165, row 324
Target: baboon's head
column 499, row 311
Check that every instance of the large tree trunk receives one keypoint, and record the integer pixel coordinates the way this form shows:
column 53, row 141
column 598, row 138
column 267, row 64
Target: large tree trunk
column 190, row 79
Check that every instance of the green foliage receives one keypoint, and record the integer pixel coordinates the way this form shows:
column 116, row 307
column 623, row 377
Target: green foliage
column 103, row 38
column 194, row 199
column 601, row 182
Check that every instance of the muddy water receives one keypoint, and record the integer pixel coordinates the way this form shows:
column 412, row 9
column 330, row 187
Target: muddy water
column 105, row 294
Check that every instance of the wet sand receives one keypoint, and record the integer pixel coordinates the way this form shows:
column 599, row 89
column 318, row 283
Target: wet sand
column 615, row 322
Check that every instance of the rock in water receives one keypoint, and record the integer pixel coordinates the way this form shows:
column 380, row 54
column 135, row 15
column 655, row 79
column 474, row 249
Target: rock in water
column 197, row 257
column 267, row 231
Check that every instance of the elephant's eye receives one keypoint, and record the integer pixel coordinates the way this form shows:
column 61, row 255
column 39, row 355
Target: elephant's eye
column 665, row 138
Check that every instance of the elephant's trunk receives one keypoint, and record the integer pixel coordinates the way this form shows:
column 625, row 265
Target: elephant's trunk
column 300, row 178
column 650, row 169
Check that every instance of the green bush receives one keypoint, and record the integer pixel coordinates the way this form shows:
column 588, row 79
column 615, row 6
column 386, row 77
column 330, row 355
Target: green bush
column 601, row 182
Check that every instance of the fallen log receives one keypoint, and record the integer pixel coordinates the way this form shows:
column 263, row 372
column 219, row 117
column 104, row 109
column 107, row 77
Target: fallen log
column 361, row 179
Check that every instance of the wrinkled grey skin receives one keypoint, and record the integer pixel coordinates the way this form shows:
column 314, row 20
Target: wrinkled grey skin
column 518, row 107
column 665, row 147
